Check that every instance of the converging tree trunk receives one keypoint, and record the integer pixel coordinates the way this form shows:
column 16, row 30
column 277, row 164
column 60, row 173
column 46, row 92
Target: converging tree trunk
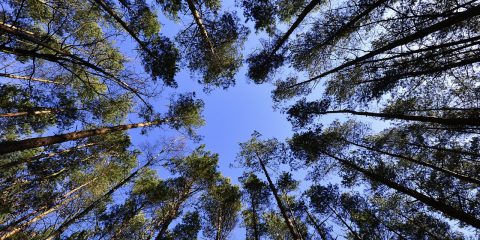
column 280, row 205
column 203, row 30
column 13, row 146
column 440, row 206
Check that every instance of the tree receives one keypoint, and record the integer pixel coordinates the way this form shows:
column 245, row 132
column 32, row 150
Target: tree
column 255, row 154
column 314, row 146
column 212, row 43
column 256, row 196
column 221, row 205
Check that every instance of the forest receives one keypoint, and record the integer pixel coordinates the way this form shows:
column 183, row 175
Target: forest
column 104, row 106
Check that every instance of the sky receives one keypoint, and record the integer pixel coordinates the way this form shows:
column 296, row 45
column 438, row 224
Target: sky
column 231, row 115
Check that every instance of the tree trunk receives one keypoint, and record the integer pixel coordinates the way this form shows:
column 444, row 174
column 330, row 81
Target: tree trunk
column 423, row 119
column 315, row 224
column 13, row 146
column 448, row 22
column 7, row 75
column 256, row 233
column 297, row 22
column 219, row 226
column 422, row 163
column 124, row 25
column 350, row 229
column 201, row 26
column 280, row 205
column 20, row 114
column 440, row 206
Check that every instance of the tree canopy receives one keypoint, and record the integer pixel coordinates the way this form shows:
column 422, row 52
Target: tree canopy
column 382, row 96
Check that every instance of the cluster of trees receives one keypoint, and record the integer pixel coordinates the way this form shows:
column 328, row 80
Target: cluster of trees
column 401, row 161
column 401, row 77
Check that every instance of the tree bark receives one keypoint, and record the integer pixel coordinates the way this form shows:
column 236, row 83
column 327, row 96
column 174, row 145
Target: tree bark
column 280, row 205
column 13, row 76
column 201, row 26
column 20, row 114
column 13, row 146
column 295, row 24
column 256, row 233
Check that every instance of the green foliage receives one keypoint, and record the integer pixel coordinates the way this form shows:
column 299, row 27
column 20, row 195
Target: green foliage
column 185, row 112
column 221, row 205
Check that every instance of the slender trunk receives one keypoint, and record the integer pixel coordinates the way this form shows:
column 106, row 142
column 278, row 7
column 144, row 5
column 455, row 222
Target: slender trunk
column 173, row 214
column 168, row 220
column 351, row 24
column 201, row 26
column 422, row 163
column 124, row 25
column 7, row 75
column 64, row 226
column 164, row 227
column 295, row 24
column 256, row 233
column 440, row 206
column 13, row 146
column 20, row 114
column 219, row 226
column 350, row 229
column 315, row 224
column 280, row 205
column 10, row 232
column 431, row 70
column 424, row 119
column 448, row 22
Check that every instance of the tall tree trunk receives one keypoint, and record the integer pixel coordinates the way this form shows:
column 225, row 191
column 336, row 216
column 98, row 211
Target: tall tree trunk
column 422, row 163
column 351, row 24
column 13, row 146
column 315, row 224
column 13, row 76
column 256, row 232
column 25, row 113
column 424, row 119
column 12, row 231
column 455, row 151
column 219, row 226
column 124, row 25
column 280, row 205
column 173, row 214
column 295, row 24
column 350, row 229
column 440, row 206
column 201, row 26
column 64, row 226
column 448, row 22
